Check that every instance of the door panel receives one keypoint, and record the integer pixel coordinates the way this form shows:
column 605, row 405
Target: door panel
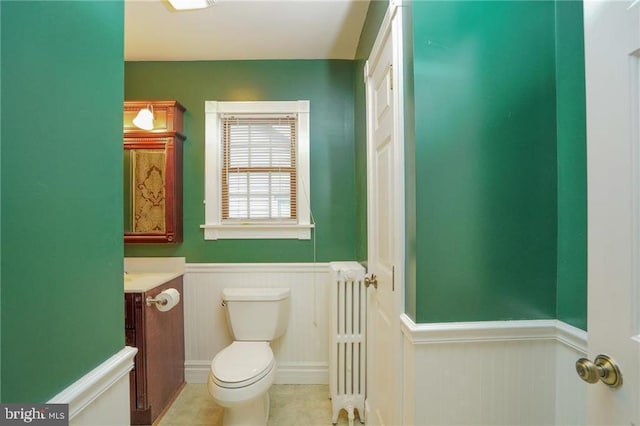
column 385, row 231
column 612, row 40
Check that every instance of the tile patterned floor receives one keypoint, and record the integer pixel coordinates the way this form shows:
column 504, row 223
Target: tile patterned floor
column 291, row 405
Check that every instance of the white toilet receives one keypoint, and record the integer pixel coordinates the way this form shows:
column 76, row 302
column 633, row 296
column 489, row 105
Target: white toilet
column 242, row 373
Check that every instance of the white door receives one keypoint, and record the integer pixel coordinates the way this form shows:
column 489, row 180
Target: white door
column 612, row 59
column 385, row 226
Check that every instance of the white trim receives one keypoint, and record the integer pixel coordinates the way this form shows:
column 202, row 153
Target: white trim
column 635, row 187
column 96, row 382
column 248, row 231
column 366, row 72
column 246, row 268
column 303, row 373
column 492, row 331
column 196, row 371
column 571, row 336
column 213, row 227
column 476, row 331
column 299, row 373
column 256, row 107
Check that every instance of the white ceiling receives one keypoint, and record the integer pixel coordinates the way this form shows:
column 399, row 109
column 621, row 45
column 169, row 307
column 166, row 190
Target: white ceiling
column 244, row 29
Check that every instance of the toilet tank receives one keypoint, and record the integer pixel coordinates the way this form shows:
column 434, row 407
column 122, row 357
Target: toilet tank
column 257, row 314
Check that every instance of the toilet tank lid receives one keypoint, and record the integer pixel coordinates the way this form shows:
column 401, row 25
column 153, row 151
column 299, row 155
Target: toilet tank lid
column 245, row 294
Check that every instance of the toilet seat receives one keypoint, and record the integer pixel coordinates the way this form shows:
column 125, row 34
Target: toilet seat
column 241, row 364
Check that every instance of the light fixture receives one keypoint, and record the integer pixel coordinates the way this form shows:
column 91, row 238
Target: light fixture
column 144, row 119
column 191, row 4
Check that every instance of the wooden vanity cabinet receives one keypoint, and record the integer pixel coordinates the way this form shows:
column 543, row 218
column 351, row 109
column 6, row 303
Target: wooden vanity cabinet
column 153, row 174
column 158, row 372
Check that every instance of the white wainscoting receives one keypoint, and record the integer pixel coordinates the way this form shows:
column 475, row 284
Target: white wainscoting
column 101, row 397
column 498, row 373
column 302, row 353
column 571, row 391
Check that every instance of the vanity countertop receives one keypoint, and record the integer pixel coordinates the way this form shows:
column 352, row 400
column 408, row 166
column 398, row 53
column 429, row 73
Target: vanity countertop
column 140, row 282
column 145, row 273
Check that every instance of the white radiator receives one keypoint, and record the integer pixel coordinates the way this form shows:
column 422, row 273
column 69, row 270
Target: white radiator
column 347, row 329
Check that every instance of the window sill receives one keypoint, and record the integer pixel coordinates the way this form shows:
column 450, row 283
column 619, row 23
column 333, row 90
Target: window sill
column 256, row 231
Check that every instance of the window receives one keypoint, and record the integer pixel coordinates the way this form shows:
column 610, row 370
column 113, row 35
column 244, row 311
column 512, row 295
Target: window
column 257, row 170
column 258, row 177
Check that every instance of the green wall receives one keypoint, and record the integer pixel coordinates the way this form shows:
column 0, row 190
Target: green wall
column 485, row 161
column 360, row 141
column 61, row 229
column 495, row 175
column 375, row 14
column 410, row 279
column 327, row 84
column 572, row 170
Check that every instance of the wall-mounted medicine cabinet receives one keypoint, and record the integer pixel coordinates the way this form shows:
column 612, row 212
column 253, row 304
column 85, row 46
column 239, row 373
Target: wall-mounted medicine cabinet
column 153, row 173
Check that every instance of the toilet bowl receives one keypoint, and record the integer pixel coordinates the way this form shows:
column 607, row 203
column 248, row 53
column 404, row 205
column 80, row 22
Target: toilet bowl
column 242, row 373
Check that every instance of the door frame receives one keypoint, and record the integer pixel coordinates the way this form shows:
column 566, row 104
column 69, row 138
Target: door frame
column 391, row 26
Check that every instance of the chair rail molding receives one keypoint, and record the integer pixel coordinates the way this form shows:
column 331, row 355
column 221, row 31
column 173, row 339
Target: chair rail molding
column 102, row 391
column 484, row 331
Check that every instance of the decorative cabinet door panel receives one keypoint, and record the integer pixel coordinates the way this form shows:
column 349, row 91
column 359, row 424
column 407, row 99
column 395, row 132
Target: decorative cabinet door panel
column 153, row 178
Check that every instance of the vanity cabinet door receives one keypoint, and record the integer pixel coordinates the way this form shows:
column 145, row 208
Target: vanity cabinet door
column 158, row 373
column 134, row 337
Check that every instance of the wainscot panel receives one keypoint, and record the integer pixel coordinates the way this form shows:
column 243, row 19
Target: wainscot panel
column 302, row 353
column 571, row 391
column 101, row 397
column 502, row 372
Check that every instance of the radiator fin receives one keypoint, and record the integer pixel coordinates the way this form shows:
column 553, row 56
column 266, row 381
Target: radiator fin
column 347, row 363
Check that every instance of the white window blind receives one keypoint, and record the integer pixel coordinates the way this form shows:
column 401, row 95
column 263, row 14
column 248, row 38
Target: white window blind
column 259, row 175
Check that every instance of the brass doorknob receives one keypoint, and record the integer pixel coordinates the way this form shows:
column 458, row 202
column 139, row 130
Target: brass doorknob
column 372, row 280
column 603, row 368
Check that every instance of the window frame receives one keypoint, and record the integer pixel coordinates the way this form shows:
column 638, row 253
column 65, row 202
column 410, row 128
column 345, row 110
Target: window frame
column 215, row 228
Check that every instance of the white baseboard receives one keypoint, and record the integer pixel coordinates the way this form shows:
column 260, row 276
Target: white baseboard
column 196, row 371
column 305, row 373
column 101, row 387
